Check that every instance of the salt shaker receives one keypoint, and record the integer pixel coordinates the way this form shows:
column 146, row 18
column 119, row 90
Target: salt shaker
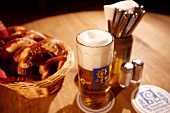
column 126, row 73
column 137, row 70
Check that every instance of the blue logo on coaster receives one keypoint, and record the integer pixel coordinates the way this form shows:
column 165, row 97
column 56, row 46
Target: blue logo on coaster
column 152, row 99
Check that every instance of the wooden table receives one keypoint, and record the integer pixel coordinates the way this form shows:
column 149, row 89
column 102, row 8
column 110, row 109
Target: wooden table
column 151, row 44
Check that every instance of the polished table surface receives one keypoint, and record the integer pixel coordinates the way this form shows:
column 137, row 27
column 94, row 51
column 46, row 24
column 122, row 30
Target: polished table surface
column 151, row 43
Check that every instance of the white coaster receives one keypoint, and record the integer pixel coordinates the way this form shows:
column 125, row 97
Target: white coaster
column 88, row 110
column 150, row 99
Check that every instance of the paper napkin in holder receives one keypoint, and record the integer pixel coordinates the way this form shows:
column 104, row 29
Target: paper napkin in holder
column 122, row 46
column 127, row 5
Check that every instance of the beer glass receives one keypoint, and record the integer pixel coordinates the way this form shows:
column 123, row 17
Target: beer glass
column 94, row 55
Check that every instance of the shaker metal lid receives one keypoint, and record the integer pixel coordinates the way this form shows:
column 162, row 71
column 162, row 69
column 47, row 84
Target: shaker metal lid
column 138, row 69
column 137, row 62
column 150, row 99
column 127, row 66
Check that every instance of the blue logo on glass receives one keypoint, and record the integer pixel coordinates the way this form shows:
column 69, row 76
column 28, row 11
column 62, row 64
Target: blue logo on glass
column 100, row 75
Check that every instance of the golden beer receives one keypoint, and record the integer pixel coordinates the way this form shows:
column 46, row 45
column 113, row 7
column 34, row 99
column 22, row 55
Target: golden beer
column 94, row 61
column 92, row 98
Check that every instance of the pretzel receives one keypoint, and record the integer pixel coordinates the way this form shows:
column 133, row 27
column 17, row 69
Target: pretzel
column 2, row 43
column 50, row 64
column 36, row 59
column 30, row 55
column 22, row 32
column 13, row 29
column 10, row 48
column 13, row 65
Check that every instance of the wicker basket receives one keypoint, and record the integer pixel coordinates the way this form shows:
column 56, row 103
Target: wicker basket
column 47, row 86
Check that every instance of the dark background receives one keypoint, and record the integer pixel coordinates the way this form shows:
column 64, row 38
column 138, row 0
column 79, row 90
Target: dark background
column 17, row 12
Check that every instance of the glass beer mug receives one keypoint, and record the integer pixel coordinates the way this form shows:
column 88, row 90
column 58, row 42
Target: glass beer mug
column 94, row 55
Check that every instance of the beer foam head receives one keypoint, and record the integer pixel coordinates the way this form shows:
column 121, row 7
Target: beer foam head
column 95, row 49
column 94, row 38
